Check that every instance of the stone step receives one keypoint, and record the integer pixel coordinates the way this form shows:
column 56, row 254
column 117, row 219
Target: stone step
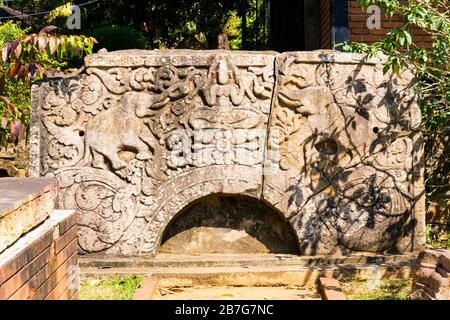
column 239, row 260
column 257, row 275
column 24, row 204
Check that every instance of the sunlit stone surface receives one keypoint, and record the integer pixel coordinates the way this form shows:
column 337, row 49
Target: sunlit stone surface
column 324, row 138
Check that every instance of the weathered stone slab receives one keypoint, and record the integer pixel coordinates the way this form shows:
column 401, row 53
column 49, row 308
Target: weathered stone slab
column 342, row 154
column 430, row 257
column 24, row 203
column 323, row 137
column 142, row 134
column 31, row 268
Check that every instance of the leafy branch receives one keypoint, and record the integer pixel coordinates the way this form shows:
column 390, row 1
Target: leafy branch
column 28, row 58
column 431, row 67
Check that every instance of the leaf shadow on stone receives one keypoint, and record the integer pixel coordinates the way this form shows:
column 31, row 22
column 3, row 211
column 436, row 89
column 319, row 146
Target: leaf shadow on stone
column 370, row 196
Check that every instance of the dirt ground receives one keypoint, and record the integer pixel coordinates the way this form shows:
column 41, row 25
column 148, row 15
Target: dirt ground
column 237, row 293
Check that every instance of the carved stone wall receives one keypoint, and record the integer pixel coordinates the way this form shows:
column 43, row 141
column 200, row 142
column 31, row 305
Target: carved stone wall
column 323, row 137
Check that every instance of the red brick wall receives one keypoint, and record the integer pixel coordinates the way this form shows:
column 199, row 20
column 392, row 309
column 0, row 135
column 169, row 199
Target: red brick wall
column 44, row 263
column 360, row 33
column 358, row 30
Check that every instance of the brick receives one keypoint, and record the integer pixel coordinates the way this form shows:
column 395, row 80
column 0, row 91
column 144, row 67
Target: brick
column 355, row 38
column 358, row 18
column 395, row 17
column 22, row 294
column 63, row 285
column 389, row 24
column 444, row 273
column 17, row 262
column 51, row 282
column 355, row 10
column 429, row 256
column 65, row 239
column 330, row 289
column 444, row 260
column 20, row 278
column 417, row 31
column 370, row 38
column 71, row 290
column 39, row 279
column 354, row 4
column 28, row 289
column 44, row 263
column 360, row 31
column 356, row 24
column 35, row 282
column 146, row 289
column 427, row 45
column 67, row 223
column 380, row 31
column 420, row 38
column 65, row 253
column 75, row 296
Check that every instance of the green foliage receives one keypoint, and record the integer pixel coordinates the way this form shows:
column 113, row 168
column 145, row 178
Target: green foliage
column 373, row 289
column 26, row 58
column 118, row 37
column 194, row 24
column 14, row 96
column 437, row 237
column 62, row 11
column 432, row 70
column 109, row 288
column 257, row 33
column 234, row 31
column 188, row 23
column 432, row 67
column 14, row 112
column 9, row 31
column 38, row 55
column 29, row 54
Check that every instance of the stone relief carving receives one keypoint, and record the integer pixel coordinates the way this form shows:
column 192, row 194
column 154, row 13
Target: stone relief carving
column 116, row 135
column 342, row 147
column 327, row 140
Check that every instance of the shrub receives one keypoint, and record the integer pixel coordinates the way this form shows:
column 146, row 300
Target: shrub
column 15, row 106
column 118, row 38
column 26, row 58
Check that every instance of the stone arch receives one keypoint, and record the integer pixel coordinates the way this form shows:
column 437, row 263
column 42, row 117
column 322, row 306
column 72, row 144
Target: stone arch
column 183, row 190
column 229, row 224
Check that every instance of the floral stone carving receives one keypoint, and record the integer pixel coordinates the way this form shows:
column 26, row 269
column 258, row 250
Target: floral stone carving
column 323, row 137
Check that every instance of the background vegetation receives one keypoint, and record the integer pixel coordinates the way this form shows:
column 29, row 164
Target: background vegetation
column 116, row 24
column 205, row 24
column 197, row 24
column 26, row 58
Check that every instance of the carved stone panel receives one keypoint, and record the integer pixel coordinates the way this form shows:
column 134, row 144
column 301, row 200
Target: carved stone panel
column 343, row 154
column 140, row 134
column 323, row 137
